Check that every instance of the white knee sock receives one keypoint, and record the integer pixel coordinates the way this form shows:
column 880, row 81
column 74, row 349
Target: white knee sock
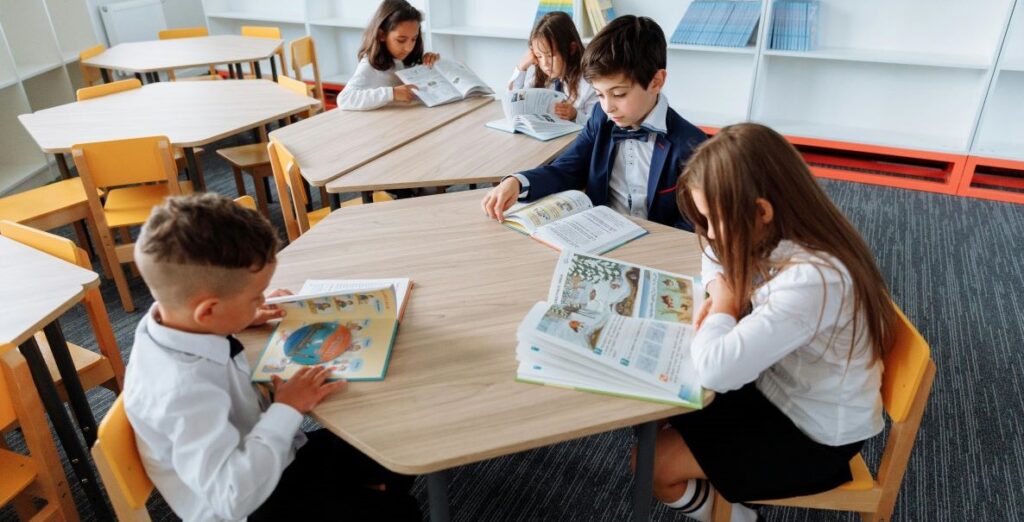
column 698, row 500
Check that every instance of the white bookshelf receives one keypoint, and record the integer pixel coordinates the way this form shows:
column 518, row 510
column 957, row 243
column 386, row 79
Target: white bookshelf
column 39, row 45
column 1001, row 126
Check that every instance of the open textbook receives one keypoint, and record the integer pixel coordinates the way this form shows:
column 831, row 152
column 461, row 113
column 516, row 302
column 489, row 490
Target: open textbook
column 531, row 112
column 446, row 81
column 615, row 328
column 568, row 220
column 350, row 330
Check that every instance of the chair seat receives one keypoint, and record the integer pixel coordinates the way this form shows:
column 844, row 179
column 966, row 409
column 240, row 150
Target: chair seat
column 205, row 77
column 41, row 201
column 318, row 215
column 378, row 197
column 19, row 472
column 179, row 153
column 862, row 479
column 246, row 156
column 85, row 360
column 132, row 205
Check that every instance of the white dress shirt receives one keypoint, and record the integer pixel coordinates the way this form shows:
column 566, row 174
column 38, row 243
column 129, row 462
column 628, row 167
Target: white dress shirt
column 369, row 88
column 204, row 437
column 795, row 343
column 585, row 100
column 627, row 184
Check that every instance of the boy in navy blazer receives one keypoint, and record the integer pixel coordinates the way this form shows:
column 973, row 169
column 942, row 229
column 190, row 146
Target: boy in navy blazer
column 630, row 154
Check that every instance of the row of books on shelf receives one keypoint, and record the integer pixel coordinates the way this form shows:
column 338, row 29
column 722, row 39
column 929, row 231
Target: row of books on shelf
column 794, row 25
column 726, row 23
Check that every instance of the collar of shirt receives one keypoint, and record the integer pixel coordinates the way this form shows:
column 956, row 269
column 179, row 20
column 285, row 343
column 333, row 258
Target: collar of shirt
column 208, row 346
column 655, row 120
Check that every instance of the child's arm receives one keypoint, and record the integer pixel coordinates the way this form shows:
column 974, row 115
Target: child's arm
column 365, row 90
column 570, row 170
column 524, row 72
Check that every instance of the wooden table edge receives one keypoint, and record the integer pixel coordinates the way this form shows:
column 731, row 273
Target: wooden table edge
column 89, row 63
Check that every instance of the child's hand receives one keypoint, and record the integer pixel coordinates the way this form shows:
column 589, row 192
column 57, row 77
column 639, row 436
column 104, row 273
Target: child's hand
column 705, row 309
column 565, row 110
column 723, row 298
column 497, row 201
column 306, row 388
column 527, row 60
column 404, row 93
column 269, row 312
column 430, row 58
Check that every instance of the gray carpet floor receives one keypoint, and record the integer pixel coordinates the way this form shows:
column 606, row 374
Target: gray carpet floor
column 954, row 266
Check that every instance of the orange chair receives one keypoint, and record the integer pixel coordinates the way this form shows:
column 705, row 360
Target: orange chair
column 188, row 32
column 246, row 202
column 906, row 384
column 105, row 368
column 256, row 31
column 39, row 474
column 137, row 174
column 117, row 459
column 90, row 75
column 303, row 54
column 288, row 179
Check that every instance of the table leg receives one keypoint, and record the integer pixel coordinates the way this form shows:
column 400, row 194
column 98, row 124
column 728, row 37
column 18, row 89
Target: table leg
column 273, row 68
column 62, row 166
column 335, row 201
column 139, row 78
column 437, row 493
column 106, row 75
column 238, row 72
column 193, row 171
column 231, row 71
column 367, row 197
column 256, row 70
column 72, row 384
column 155, row 77
column 472, row 186
column 643, row 479
column 65, row 428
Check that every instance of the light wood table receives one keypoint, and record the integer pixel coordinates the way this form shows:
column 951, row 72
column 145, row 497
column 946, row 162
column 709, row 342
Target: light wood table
column 188, row 113
column 37, row 289
column 337, row 142
column 153, row 56
column 463, row 151
column 450, row 396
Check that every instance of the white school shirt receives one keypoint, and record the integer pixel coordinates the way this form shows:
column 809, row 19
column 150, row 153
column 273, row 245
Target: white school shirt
column 585, row 100
column 782, row 346
column 369, row 88
column 204, row 437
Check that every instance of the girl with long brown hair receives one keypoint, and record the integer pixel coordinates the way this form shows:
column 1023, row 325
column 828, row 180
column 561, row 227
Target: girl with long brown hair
column 791, row 337
column 391, row 42
column 554, row 61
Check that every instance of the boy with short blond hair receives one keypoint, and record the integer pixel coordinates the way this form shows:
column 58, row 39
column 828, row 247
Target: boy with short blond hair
column 210, row 442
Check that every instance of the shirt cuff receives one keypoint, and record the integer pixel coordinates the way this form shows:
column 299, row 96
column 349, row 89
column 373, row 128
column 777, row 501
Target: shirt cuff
column 282, row 420
column 524, row 185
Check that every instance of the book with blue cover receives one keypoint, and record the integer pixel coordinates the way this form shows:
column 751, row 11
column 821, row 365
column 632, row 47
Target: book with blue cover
column 547, row 6
column 724, row 23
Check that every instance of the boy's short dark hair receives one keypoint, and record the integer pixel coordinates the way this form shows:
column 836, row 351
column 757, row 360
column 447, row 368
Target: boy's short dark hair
column 633, row 46
column 202, row 242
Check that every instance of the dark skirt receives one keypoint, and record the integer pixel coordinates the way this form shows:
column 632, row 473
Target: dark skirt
column 750, row 450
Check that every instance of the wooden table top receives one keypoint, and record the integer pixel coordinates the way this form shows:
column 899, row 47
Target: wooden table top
column 179, row 53
column 188, row 113
column 463, row 151
column 37, row 288
column 450, row 396
column 336, row 142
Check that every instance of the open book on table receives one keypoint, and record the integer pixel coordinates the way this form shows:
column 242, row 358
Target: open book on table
column 568, row 220
column 446, row 81
column 531, row 112
column 615, row 328
column 349, row 328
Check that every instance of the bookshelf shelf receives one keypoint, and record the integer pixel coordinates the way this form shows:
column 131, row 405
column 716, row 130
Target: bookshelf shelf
column 944, row 143
column 341, row 23
column 886, row 57
column 1012, row 67
column 21, row 156
column 256, row 17
column 32, row 71
column 72, row 35
column 712, row 49
column 484, row 32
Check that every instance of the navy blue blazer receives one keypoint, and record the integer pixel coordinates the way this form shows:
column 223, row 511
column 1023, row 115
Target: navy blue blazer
column 587, row 163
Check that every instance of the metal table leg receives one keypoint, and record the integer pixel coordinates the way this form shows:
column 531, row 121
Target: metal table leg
column 335, row 201
column 367, row 196
column 106, row 75
column 437, row 493
column 72, row 384
column 273, row 69
column 62, row 166
column 238, row 72
column 643, row 479
column 62, row 424
column 256, row 70
column 138, row 77
column 193, row 171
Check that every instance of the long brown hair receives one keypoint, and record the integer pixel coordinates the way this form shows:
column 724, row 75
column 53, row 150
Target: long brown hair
column 388, row 16
column 749, row 161
column 556, row 28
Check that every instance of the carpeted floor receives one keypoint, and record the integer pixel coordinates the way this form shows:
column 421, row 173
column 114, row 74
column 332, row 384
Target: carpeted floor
column 954, row 266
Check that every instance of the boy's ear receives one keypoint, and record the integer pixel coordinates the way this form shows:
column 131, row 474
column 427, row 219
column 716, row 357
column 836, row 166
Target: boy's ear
column 203, row 311
column 658, row 81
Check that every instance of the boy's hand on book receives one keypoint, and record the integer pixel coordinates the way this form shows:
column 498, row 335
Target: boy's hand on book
column 270, row 312
column 429, row 59
column 306, row 388
column 497, row 201
column 404, row 93
column 565, row 110
column 527, row 60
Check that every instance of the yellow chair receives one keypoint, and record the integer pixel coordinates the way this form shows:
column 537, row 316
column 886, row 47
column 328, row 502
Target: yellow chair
column 288, row 180
column 40, row 474
column 303, row 54
column 906, row 383
column 105, row 368
column 117, row 459
column 137, row 175
column 90, row 75
column 246, row 202
column 188, row 32
column 256, row 31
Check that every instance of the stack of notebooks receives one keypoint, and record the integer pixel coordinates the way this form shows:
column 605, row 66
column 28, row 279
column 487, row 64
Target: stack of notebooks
column 548, row 6
column 600, row 12
column 724, row 23
column 794, row 25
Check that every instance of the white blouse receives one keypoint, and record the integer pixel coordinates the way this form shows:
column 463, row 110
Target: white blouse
column 795, row 344
column 369, row 88
column 586, row 98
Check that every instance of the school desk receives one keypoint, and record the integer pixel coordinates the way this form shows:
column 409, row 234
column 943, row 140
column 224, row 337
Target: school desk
column 190, row 114
column 37, row 289
column 450, row 396
column 151, row 57
column 336, row 142
column 463, row 151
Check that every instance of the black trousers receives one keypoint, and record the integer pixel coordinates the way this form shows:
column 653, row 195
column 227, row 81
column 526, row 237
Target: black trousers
column 329, row 479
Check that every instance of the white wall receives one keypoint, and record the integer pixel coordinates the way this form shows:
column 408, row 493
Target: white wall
column 178, row 13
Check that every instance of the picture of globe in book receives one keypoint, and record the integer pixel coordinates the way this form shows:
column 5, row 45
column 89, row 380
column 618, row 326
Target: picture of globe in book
column 317, row 343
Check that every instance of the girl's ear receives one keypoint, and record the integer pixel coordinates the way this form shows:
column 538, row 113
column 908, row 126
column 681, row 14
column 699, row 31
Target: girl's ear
column 765, row 211
column 380, row 35
column 573, row 48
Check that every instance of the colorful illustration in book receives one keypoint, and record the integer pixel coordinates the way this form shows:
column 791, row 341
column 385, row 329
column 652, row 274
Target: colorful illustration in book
column 317, row 343
column 600, row 284
column 582, row 328
column 675, row 300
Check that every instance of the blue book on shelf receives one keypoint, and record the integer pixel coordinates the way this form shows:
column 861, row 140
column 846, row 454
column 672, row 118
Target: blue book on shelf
column 546, row 6
column 686, row 24
column 812, row 24
column 727, row 35
column 704, row 9
column 746, row 32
